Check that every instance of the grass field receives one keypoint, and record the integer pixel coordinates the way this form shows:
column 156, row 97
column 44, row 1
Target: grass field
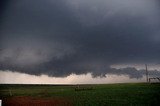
column 131, row 94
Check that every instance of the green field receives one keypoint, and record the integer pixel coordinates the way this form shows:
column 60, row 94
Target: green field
column 99, row 94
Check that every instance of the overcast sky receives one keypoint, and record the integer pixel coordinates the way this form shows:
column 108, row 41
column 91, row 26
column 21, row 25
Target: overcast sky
column 60, row 38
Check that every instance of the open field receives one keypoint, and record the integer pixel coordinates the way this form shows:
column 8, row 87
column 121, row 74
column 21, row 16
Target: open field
column 85, row 95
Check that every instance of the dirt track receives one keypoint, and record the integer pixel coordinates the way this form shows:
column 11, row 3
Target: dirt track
column 32, row 101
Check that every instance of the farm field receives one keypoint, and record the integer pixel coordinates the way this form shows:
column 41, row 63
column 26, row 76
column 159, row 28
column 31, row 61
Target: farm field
column 131, row 94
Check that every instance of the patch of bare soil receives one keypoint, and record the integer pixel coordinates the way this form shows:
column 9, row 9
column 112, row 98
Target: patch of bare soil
column 32, row 101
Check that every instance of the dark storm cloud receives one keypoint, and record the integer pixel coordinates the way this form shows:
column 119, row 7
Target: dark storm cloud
column 61, row 37
column 133, row 72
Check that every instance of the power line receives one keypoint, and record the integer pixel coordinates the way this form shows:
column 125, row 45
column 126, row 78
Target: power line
column 146, row 72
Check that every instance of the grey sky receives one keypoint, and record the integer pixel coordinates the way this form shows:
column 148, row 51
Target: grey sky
column 61, row 37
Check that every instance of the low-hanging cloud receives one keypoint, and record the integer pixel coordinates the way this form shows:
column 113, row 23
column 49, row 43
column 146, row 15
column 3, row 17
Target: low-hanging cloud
column 34, row 51
column 58, row 38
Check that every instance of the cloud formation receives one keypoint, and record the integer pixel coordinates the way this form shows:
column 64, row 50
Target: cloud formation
column 62, row 37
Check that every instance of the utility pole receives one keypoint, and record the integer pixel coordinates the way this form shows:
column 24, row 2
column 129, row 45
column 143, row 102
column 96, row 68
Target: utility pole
column 146, row 72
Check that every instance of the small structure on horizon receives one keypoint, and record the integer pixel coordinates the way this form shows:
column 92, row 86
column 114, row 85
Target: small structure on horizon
column 83, row 87
column 154, row 78
column 151, row 78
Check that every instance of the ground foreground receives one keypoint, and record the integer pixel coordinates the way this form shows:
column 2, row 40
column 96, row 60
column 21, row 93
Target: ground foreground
column 80, row 95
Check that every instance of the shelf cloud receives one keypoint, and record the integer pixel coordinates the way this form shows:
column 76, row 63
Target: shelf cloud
column 58, row 38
